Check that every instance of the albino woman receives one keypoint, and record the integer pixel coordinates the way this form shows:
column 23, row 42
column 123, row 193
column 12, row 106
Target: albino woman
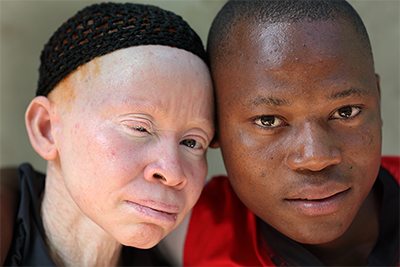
column 124, row 116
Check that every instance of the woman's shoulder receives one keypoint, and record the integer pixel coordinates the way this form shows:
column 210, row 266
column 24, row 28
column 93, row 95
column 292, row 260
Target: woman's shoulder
column 9, row 201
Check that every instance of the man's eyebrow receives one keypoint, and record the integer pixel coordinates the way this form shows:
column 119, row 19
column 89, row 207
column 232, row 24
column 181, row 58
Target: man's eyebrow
column 268, row 101
column 347, row 93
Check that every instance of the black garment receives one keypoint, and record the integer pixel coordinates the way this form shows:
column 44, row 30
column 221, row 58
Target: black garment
column 29, row 248
column 385, row 252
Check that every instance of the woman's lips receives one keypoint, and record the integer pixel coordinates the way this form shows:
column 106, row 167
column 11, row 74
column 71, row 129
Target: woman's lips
column 319, row 202
column 159, row 214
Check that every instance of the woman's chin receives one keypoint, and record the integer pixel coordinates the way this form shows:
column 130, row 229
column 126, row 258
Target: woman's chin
column 144, row 236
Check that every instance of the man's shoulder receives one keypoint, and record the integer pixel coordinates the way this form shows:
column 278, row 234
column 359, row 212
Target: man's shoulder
column 217, row 183
column 392, row 165
column 220, row 216
column 219, row 209
column 218, row 196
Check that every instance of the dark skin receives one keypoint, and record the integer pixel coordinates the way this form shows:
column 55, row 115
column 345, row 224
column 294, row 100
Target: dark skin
column 9, row 200
column 300, row 133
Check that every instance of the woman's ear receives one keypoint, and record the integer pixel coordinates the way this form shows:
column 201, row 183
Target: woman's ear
column 38, row 121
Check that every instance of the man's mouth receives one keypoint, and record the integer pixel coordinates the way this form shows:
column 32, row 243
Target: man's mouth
column 314, row 202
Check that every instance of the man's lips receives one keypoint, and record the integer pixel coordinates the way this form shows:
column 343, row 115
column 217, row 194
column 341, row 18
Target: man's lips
column 315, row 201
column 155, row 212
column 318, row 192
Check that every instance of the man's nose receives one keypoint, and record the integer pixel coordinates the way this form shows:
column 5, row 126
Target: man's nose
column 314, row 148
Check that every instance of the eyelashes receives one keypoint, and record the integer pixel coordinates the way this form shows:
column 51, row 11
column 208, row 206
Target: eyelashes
column 269, row 121
column 139, row 129
column 346, row 112
column 191, row 143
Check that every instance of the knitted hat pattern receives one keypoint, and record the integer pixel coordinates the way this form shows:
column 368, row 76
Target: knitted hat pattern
column 100, row 29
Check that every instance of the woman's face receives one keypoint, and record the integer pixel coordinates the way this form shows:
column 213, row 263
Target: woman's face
column 135, row 127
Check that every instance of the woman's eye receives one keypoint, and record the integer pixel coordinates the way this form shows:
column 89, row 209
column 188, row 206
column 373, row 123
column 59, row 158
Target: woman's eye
column 139, row 128
column 346, row 112
column 269, row 121
column 190, row 143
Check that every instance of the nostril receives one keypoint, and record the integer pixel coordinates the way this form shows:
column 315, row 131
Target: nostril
column 158, row 176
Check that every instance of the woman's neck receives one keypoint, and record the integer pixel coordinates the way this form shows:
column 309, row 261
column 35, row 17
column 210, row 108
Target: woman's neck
column 73, row 238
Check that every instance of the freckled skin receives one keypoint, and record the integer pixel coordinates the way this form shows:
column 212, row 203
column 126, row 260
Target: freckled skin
column 301, row 75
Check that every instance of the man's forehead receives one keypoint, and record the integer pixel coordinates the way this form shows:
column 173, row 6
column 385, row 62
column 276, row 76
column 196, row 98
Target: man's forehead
column 273, row 45
column 285, row 36
column 317, row 53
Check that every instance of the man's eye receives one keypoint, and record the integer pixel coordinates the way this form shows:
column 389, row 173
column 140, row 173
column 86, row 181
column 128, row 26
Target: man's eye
column 269, row 121
column 346, row 112
column 190, row 143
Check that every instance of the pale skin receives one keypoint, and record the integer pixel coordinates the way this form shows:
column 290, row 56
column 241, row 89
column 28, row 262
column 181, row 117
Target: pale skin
column 126, row 138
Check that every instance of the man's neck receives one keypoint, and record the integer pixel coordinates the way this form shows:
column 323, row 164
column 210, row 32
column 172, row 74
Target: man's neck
column 72, row 237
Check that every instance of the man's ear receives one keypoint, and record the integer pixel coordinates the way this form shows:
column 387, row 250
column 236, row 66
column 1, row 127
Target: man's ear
column 378, row 83
column 38, row 120
column 215, row 142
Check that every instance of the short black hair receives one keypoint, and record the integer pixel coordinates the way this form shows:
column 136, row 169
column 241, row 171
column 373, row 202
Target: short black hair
column 274, row 11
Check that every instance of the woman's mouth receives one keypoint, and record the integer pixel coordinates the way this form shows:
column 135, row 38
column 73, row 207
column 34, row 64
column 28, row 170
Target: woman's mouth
column 159, row 214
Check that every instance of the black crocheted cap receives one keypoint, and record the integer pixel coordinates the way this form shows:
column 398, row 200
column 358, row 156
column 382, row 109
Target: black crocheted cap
column 100, row 29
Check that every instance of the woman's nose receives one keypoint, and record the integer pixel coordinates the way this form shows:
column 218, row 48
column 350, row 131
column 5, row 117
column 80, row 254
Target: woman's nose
column 167, row 166
column 314, row 148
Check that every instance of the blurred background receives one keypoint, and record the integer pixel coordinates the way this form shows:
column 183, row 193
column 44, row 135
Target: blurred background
column 27, row 25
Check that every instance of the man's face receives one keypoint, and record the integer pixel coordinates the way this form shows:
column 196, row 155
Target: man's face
column 299, row 125
column 135, row 127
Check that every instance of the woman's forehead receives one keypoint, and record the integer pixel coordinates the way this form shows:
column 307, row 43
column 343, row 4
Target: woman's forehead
column 159, row 74
column 140, row 63
column 144, row 55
